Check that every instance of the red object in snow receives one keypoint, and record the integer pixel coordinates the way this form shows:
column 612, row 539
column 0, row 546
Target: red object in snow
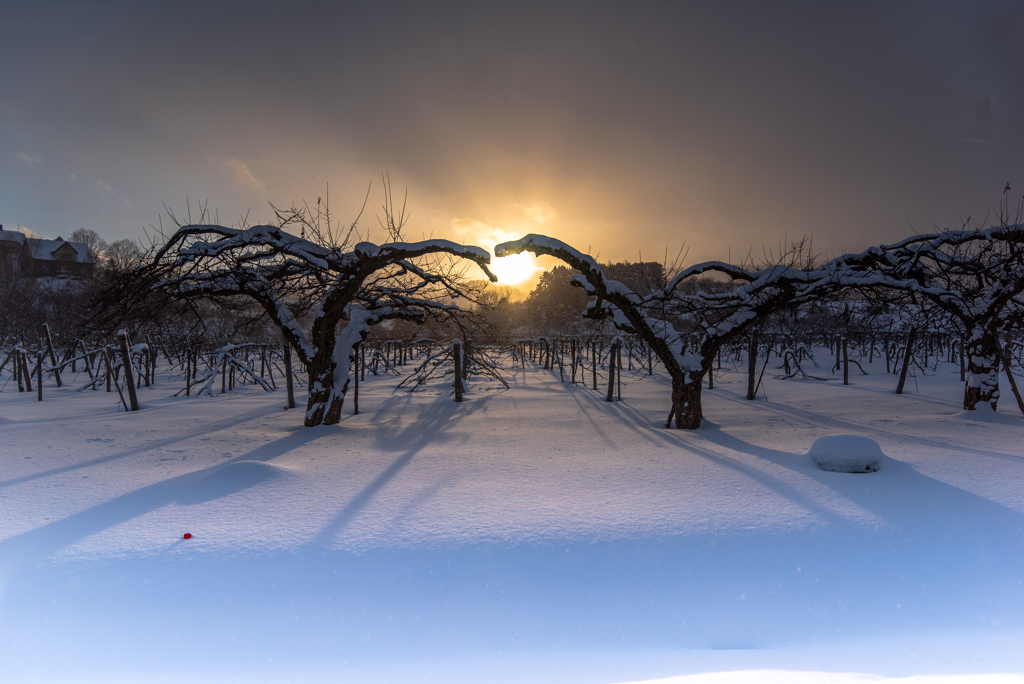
column 187, row 535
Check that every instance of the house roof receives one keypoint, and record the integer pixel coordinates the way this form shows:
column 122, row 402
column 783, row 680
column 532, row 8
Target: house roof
column 42, row 250
column 12, row 236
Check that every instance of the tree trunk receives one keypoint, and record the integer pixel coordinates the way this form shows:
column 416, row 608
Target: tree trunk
column 686, row 401
column 982, row 384
column 325, row 401
column 330, row 370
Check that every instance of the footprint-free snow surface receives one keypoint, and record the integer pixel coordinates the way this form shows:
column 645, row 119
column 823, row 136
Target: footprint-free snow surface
column 535, row 534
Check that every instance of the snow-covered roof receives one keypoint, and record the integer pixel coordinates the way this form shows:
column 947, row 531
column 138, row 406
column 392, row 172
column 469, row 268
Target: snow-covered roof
column 43, row 250
column 12, row 236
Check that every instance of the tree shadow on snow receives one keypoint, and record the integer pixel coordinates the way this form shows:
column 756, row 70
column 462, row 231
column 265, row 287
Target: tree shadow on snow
column 822, row 420
column 920, row 509
column 197, row 487
column 414, row 426
column 231, row 422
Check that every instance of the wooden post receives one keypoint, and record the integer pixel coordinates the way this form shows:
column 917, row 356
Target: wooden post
column 289, row 383
column 751, row 365
column 611, row 373
column 146, row 362
column 53, row 357
column 572, row 360
column 846, row 364
column 106, row 356
column 152, row 361
column 457, row 353
column 270, row 372
column 907, row 355
column 963, row 373
column 39, row 377
column 188, row 374
column 561, row 364
column 106, row 362
column 17, row 368
column 618, row 374
column 26, row 371
column 126, row 360
column 88, row 366
column 593, row 362
column 355, row 389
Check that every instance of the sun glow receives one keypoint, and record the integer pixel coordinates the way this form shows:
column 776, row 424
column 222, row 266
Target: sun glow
column 514, row 269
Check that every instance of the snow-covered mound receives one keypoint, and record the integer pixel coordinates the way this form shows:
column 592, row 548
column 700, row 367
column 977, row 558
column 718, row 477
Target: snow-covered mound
column 846, row 454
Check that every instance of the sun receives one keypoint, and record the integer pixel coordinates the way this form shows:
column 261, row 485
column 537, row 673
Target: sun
column 514, row 269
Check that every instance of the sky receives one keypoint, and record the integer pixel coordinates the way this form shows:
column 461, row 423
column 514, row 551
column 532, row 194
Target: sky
column 629, row 130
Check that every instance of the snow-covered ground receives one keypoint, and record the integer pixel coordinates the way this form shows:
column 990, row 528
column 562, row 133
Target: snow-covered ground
column 536, row 534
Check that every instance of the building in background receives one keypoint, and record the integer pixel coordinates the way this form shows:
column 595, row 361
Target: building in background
column 37, row 258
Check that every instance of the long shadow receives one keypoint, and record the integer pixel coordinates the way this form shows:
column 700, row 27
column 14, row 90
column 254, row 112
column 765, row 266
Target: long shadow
column 909, row 502
column 901, row 496
column 687, row 442
column 193, row 488
column 822, row 420
column 586, row 409
column 426, row 428
column 148, row 446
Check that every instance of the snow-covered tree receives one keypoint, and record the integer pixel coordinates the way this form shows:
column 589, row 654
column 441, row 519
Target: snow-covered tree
column 975, row 277
column 341, row 285
column 720, row 314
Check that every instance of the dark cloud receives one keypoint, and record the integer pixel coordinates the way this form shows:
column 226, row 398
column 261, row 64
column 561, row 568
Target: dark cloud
column 642, row 125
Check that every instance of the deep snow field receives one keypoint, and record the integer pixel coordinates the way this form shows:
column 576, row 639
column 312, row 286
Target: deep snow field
column 536, row 534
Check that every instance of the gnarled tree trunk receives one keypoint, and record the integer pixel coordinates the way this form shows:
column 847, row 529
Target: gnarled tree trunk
column 325, row 400
column 686, row 401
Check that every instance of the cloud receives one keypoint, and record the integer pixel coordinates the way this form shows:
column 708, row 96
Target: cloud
column 28, row 232
column 103, row 185
column 73, row 177
column 480, row 234
column 541, row 212
column 30, row 159
column 236, row 169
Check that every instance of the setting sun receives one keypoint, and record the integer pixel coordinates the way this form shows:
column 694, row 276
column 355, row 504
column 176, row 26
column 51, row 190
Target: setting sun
column 514, row 269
